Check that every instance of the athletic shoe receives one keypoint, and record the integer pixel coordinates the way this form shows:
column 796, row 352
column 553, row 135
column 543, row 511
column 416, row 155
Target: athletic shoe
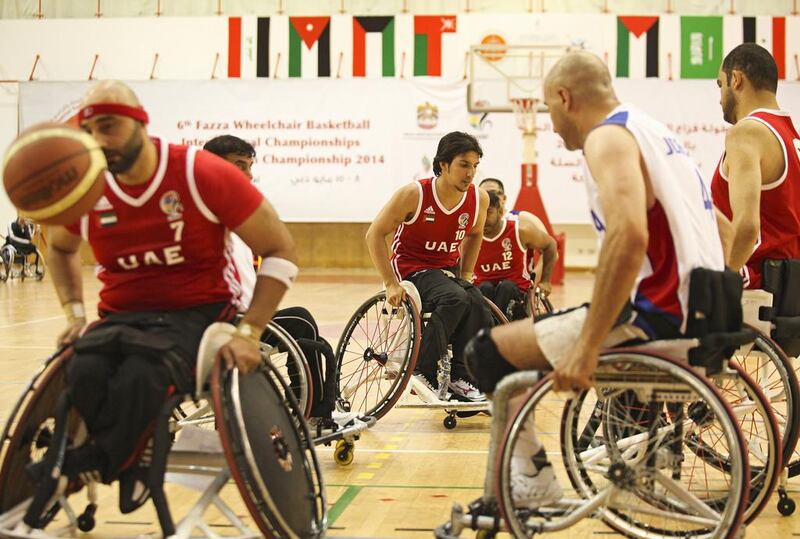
column 532, row 491
column 464, row 390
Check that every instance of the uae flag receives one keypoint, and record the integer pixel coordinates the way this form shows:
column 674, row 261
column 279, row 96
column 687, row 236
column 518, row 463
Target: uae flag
column 637, row 47
column 770, row 33
column 428, row 30
column 309, row 47
column 248, row 47
column 364, row 61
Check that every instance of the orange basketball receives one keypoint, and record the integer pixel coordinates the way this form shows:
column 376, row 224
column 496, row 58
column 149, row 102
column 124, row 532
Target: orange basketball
column 54, row 173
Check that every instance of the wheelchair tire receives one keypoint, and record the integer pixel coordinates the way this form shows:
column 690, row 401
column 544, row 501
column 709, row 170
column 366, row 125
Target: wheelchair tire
column 588, row 461
column 292, row 364
column 376, row 355
column 270, row 454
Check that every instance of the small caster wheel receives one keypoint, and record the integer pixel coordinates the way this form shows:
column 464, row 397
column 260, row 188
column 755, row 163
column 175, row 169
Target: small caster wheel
column 450, row 422
column 86, row 520
column 786, row 506
column 343, row 453
column 485, row 534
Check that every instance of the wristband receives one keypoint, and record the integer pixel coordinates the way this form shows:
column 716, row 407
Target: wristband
column 74, row 310
column 249, row 331
column 279, row 269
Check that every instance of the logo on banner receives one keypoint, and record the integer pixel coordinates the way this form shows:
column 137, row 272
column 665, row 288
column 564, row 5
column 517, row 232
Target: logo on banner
column 497, row 52
column 463, row 219
column 427, row 115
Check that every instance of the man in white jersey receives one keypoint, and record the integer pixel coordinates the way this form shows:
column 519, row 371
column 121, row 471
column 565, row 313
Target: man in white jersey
column 654, row 215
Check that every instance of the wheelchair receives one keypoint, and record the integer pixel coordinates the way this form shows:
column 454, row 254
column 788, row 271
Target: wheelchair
column 259, row 443
column 654, row 449
column 376, row 356
column 291, row 369
column 15, row 264
column 771, row 360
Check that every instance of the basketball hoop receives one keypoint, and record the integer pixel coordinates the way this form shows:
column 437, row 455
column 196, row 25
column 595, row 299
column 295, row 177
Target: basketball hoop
column 525, row 109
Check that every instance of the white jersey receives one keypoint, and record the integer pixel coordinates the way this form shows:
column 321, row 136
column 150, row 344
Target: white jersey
column 243, row 260
column 681, row 225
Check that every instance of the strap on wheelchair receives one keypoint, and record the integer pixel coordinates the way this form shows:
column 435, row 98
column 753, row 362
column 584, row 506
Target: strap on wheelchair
column 782, row 279
column 119, row 339
column 715, row 317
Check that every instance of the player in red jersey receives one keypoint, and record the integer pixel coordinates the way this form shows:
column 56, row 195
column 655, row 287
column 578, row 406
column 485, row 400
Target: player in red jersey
column 502, row 271
column 535, row 264
column 159, row 234
column 757, row 182
column 438, row 225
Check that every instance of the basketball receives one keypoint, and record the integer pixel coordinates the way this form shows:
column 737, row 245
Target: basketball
column 54, row 173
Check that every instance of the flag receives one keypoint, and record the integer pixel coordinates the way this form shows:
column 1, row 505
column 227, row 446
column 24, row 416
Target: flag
column 770, row 33
column 428, row 30
column 248, row 47
column 314, row 33
column 641, row 51
column 701, row 47
column 364, row 25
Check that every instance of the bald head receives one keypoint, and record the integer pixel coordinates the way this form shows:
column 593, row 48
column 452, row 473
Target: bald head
column 584, row 74
column 111, row 91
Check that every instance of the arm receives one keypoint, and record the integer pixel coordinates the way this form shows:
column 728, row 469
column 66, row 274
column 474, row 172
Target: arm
column 401, row 207
column 64, row 263
column 614, row 161
column 742, row 158
column 471, row 246
column 536, row 237
column 725, row 234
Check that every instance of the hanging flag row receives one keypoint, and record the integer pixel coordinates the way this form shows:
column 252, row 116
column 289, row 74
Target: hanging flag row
column 666, row 46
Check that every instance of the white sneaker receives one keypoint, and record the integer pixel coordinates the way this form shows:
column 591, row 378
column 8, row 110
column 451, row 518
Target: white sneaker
column 532, row 491
column 466, row 390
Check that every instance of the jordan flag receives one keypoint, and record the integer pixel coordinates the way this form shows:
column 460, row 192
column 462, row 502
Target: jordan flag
column 637, row 46
column 248, row 47
column 309, row 47
column 428, row 30
column 366, row 57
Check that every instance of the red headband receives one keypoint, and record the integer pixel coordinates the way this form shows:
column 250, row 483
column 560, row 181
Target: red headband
column 96, row 109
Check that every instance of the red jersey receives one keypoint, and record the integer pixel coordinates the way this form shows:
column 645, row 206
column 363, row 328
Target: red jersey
column 779, row 213
column 504, row 257
column 163, row 245
column 432, row 238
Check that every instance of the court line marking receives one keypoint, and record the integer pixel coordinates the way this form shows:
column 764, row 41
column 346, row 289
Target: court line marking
column 36, row 321
column 428, row 487
column 25, row 347
column 341, row 504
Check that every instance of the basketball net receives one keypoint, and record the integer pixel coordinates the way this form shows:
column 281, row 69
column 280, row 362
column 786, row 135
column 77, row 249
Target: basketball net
column 525, row 109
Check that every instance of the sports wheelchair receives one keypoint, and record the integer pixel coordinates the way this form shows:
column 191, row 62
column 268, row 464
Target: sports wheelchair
column 654, row 449
column 376, row 356
column 16, row 264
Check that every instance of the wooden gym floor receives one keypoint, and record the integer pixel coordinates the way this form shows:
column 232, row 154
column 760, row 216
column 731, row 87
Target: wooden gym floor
column 407, row 471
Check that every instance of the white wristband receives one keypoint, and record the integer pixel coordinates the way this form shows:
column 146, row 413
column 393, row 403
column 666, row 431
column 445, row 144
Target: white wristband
column 279, row 269
column 73, row 310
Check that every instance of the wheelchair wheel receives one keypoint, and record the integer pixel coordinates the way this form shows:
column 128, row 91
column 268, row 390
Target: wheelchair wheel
column 282, row 351
column 772, row 370
column 29, row 430
column 497, row 315
column 34, row 268
column 270, row 454
column 8, row 254
column 634, row 468
column 376, row 355
column 540, row 304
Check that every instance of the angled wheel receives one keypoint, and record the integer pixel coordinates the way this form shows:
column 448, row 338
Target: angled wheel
column 376, row 355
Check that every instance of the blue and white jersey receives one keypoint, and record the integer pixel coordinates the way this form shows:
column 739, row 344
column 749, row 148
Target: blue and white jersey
column 682, row 227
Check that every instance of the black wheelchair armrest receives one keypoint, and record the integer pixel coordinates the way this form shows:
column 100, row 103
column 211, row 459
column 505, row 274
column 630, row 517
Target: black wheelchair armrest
column 786, row 327
column 728, row 339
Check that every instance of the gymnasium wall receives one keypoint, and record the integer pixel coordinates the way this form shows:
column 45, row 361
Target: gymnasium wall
column 403, row 73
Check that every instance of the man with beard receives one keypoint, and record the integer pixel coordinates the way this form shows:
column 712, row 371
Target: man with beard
column 757, row 182
column 158, row 233
column 438, row 225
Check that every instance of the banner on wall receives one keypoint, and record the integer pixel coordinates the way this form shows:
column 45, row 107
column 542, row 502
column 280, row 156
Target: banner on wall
column 332, row 151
